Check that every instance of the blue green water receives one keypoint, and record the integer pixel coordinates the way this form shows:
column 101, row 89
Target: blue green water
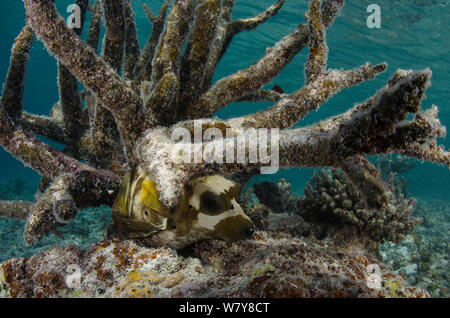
column 414, row 34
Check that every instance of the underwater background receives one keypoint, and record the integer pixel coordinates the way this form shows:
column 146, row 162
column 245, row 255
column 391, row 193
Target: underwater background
column 414, row 34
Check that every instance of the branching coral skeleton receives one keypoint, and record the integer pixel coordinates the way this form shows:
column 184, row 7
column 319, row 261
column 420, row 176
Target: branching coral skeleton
column 128, row 119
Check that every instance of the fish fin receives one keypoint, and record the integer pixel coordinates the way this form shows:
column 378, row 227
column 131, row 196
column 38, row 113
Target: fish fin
column 142, row 229
column 149, row 195
column 123, row 195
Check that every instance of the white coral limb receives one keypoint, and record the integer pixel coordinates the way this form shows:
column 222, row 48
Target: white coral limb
column 12, row 95
column 56, row 206
column 318, row 49
column 247, row 24
column 67, row 193
column 143, row 69
column 294, row 107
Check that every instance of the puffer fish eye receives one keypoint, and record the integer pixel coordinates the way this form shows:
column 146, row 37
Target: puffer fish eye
column 209, row 202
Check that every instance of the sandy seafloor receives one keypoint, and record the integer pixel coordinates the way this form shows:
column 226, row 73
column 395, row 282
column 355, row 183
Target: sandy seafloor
column 415, row 34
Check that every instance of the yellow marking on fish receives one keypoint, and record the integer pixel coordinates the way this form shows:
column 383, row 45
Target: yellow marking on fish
column 149, row 194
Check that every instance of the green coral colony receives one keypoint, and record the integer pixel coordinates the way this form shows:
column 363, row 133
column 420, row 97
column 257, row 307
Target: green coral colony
column 118, row 153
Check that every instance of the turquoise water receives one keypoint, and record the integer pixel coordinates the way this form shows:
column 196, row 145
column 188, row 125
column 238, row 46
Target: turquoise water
column 414, row 34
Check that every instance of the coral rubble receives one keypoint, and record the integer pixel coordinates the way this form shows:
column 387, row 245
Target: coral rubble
column 422, row 257
column 274, row 263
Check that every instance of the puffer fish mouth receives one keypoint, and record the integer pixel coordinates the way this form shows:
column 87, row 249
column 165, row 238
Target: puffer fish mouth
column 235, row 228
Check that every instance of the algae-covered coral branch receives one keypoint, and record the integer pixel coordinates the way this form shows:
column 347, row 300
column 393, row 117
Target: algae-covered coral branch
column 136, row 98
column 11, row 101
column 89, row 69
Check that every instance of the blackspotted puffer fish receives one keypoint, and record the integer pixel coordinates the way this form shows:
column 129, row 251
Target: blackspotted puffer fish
column 207, row 209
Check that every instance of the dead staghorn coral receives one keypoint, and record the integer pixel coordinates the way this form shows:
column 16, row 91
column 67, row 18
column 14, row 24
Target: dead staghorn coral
column 129, row 115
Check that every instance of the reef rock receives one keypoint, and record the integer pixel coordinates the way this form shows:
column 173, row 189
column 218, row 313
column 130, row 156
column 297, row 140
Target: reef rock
column 275, row 262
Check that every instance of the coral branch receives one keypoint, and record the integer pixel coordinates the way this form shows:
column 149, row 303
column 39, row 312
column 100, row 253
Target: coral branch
column 93, row 37
column 430, row 152
column 318, row 49
column 15, row 209
column 235, row 27
column 143, row 69
column 288, row 111
column 153, row 19
column 235, row 86
column 262, row 95
column 65, row 195
column 32, row 152
column 169, row 51
column 374, row 125
column 424, row 130
column 227, row 30
column 197, row 52
column 12, row 95
column 93, row 72
column 114, row 43
column 366, row 177
column 248, row 24
column 218, row 46
column 55, row 206
column 132, row 50
column 70, row 101
column 330, row 9
column 106, row 138
column 45, row 126
column 70, row 105
column 162, row 97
